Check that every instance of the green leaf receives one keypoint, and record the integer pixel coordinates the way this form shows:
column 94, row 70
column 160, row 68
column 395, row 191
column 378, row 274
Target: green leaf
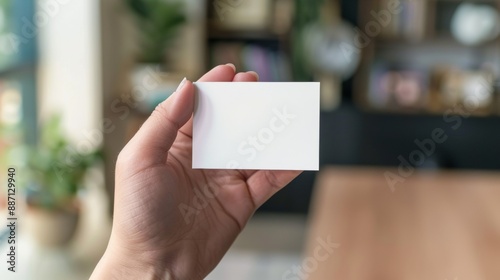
column 157, row 21
column 56, row 167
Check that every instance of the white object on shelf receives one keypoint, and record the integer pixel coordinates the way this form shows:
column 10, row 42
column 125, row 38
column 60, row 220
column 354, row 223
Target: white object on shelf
column 332, row 49
column 475, row 24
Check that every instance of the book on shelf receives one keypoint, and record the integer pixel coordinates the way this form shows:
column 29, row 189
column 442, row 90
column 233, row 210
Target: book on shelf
column 271, row 65
column 410, row 23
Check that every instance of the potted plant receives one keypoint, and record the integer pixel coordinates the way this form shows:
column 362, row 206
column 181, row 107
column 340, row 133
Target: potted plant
column 157, row 22
column 56, row 172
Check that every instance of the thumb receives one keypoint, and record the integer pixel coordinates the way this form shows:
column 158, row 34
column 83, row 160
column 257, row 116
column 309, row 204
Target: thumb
column 153, row 140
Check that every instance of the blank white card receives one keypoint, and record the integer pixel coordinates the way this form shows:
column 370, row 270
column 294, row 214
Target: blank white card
column 261, row 126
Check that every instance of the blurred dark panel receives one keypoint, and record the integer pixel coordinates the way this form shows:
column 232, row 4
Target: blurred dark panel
column 352, row 137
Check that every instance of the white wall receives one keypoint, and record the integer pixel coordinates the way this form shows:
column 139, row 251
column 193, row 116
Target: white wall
column 69, row 65
column 69, row 82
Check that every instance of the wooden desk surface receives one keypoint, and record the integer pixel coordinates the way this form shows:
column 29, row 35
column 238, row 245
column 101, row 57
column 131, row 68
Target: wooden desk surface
column 434, row 226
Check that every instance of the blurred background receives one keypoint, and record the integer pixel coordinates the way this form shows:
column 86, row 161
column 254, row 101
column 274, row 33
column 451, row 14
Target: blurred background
column 410, row 98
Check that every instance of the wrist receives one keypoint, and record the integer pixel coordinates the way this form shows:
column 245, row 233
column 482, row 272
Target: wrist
column 117, row 263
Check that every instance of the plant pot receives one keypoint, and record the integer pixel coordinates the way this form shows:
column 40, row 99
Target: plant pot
column 52, row 228
column 151, row 84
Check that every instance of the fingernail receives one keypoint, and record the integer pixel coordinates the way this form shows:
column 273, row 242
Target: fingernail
column 254, row 73
column 183, row 82
column 232, row 66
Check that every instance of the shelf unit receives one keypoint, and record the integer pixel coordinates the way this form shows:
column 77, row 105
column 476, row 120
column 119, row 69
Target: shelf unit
column 263, row 47
column 428, row 55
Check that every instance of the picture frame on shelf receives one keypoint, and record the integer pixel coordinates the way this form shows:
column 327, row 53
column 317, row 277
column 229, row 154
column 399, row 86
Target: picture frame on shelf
column 394, row 87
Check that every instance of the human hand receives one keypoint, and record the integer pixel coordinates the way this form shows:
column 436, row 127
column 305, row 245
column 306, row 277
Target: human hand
column 170, row 221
